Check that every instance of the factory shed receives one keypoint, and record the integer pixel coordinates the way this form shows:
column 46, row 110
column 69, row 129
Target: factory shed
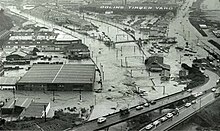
column 16, row 106
column 66, row 77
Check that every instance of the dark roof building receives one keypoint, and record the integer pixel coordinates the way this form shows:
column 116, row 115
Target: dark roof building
column 77, row 51
column 17, row 105
column 58, row 77
column 155, row 63
column 19, row 54
column 183, row 74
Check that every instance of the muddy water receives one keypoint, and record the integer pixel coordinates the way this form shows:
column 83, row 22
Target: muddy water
column 211, row 9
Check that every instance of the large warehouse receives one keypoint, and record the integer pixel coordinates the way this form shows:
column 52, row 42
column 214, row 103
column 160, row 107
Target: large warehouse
column 131, row 9
column 66, row 77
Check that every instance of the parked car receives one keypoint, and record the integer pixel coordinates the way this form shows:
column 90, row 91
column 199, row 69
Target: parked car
column 101, row 120
column 139, row 107
column 188, row 104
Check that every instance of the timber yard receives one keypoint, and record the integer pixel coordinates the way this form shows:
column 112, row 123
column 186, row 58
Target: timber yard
column 109, row 65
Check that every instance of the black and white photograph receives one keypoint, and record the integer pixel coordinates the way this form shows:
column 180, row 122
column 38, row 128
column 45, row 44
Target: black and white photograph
column 110, row 65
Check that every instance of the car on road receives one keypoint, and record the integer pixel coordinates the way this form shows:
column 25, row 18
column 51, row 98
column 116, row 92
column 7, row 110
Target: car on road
column 189, row 90
column 199, row 94
column 206, row 76
column 175, row 112
column 152, row 102
column 146, row 104
column 124, row 111
column 139, row 107
column 164, row 118
column 156, row 123
column 213, row 89
column 203, row 68
column 149, row 126
column 193, row 102
column 194, row 94
column 218, row 81
column 169, row 115
column 188, row 104
column 101, row 120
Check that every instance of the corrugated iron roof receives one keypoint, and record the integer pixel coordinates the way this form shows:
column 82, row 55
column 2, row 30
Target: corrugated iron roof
column 34, row 110
column 20, row 102
column 8, row 81
column 67, row 73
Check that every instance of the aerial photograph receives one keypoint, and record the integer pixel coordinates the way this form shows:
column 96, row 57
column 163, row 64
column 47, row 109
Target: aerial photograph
column 110, row 65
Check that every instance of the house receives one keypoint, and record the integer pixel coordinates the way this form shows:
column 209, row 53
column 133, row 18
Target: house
column 19, row 54
column 165, row 75
column 155, row 64
column 183, row 74
column 77, row 51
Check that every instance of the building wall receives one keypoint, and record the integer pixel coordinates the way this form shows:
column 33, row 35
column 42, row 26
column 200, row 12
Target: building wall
column 54, row 87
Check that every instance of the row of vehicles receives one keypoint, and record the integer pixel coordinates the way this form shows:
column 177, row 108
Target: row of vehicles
column 125, row 111
column 170, row 115
column 166, row 117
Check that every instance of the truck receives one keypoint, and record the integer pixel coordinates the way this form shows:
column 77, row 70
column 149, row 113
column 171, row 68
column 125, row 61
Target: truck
column 124, row 111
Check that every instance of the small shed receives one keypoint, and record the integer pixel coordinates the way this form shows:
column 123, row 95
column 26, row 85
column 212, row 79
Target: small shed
column 37, row 110
column 165, row 75
column 183, row 74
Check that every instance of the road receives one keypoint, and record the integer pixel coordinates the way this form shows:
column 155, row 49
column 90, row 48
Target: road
column 115, row 118
column 187, row 112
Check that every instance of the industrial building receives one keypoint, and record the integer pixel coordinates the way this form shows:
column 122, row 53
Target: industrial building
column 77, row 51
column 43, row 39
column 155, row 64
column 66, row 77
column 37, row 110
column 16, row 106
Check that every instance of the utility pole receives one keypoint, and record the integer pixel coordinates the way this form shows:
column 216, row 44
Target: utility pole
column 53, row 96
column 95, row 99
column 80, row 94
column 45, row 114
column 164, row 90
